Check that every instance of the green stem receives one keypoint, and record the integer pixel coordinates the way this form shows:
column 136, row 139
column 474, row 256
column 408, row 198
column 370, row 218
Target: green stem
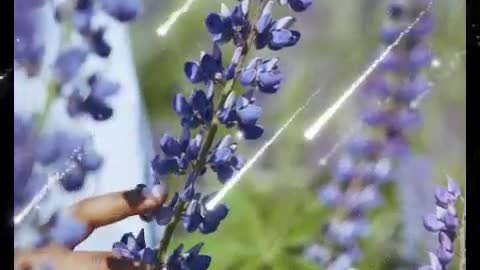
column 202, row 160
column 52, row 92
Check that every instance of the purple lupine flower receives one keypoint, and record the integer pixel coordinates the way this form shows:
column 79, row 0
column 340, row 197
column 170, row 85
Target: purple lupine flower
column 208, row 69
column 229, row 24
column 262, row 75
column 68, row 63
column 123, row 11
column 275, row 34
column 98, row 44
column 367, row 162
column 297, row 5
column 28, row 49
column 445, row 223
column 130, row 246
column 223, row 160
column 190, row 260
column 58, row 151
column 179, row 153
column 243, row 113
column 26, row 181
column 135, row 248
column 71, row 59
column 79, row 153
column 82, row 16
column 93, row 104
column 195, row 151
column 317, row 253
column 197, row 216
column 199, row 110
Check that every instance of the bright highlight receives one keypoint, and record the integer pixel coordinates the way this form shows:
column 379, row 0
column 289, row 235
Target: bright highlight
column 163, row 29
column 316, row 127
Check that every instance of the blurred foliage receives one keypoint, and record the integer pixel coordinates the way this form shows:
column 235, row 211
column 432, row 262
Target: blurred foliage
column 258, row 237
column 274, row 210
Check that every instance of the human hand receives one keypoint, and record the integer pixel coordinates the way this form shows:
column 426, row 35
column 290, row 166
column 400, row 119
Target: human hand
column 94, row 213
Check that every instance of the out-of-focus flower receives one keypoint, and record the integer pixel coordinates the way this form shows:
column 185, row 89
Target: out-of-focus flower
column 93, row 104
column 192, row 259
column 445, row 223
column 367, row 161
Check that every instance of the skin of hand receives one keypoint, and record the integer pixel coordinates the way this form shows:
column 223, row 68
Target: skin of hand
column 95, row 212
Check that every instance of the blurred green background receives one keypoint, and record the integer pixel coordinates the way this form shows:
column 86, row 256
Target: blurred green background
column 274, row 210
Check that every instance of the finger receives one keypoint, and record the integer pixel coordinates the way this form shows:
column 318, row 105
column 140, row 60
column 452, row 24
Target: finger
column 62, row 259
column 107, row 209
column 102, row 261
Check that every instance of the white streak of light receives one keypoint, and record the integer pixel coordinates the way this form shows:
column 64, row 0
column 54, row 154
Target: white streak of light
column 315, row 128
column 51, row 181
column 249, row 164
column 162, row 30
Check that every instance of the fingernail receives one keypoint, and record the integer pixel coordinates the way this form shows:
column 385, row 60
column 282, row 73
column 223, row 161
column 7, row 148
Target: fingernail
column 156, row 191
column 159, row 190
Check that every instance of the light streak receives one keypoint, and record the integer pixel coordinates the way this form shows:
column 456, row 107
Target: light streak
column 317, row 126
column 163, row 29
column 249, row 164
column 51, row 181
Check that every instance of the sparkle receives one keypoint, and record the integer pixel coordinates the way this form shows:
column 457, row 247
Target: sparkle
column 163, row 29
column 316, row 127
column 436, row 63
column 240, row 135
column 51, row 181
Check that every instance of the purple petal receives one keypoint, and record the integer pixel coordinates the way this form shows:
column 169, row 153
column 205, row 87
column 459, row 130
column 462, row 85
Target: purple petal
column 330, row 195
column 102, row 87
column 224, row 172
column 249, row 115
column 445, row 241
column 170, row 146
column 214, row 23
column 434, row 262
column 263, row 22
column 420, row 57
column 68, row 63
column 444, row 256
column 164, row 215
column 193, row 72
column 443, row 197
column 99, row 44
column 269, row 82
column 283, row 38
column 74, row 179
column 164, row 166
column 453, row 188
column 124, row 10
column 432, row 224
column 299, row 5
column 181, row 106
column 251, row 132
column 199, row 101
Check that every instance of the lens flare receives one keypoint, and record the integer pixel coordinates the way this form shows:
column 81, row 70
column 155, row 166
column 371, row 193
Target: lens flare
column 163, row 29
column 316, row 127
